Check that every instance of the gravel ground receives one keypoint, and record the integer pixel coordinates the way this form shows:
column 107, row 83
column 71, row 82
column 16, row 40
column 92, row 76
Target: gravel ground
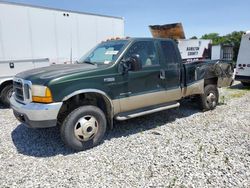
column 176, row 148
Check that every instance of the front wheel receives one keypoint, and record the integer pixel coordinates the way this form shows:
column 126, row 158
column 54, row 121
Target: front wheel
column 84, row 128
column 6, row 94
column 210, row 98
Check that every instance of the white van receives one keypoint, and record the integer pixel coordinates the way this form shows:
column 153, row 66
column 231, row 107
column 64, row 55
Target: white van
column 243, row 61
column 8, row 69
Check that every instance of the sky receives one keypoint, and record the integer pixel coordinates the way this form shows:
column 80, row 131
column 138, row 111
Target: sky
column 197, row 16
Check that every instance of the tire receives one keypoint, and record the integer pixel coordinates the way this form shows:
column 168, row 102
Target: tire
column 6, row 93
column 245, row 83
column 210, row 98
column 84, row 128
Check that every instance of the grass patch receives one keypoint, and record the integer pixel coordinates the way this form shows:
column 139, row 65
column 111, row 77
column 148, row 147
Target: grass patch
column 238, row 94
column 240, row 89
column 232, row 93
column 222, row 99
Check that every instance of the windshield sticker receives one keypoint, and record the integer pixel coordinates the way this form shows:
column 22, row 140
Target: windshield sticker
column 106, row 62
column 111, row 52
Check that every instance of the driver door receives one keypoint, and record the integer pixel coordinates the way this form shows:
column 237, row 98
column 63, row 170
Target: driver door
column 144, row 87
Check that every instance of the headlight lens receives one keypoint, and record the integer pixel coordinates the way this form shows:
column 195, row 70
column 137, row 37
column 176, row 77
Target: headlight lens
column 41, row 94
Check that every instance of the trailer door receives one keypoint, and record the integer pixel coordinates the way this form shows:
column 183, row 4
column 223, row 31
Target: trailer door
column 43, row 33
column 15, row 35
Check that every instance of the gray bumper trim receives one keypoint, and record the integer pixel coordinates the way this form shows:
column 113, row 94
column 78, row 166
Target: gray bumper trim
column 35, row 114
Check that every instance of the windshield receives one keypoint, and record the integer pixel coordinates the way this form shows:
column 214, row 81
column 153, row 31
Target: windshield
column 105, row 53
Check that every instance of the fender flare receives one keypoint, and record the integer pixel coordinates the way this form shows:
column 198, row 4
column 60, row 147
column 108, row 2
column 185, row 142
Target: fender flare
column 82, row 91
column 87, row 91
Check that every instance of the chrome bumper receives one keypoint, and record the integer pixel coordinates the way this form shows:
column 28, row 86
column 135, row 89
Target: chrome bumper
column 36, row 115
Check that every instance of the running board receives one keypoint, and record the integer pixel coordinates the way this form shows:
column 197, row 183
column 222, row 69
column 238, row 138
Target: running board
column 144, row 111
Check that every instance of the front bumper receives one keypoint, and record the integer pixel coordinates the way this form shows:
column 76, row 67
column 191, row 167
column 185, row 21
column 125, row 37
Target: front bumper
column 36, row 115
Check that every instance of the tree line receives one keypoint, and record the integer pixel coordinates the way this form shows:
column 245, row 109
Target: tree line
column 233, row 38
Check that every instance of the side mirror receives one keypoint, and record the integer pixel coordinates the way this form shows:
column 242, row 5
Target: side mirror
column 133, row 63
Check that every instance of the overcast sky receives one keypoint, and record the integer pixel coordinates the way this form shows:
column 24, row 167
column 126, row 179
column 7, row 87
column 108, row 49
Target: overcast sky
column 197, row 16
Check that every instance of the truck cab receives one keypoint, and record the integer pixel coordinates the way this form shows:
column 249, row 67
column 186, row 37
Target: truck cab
column 118, row 79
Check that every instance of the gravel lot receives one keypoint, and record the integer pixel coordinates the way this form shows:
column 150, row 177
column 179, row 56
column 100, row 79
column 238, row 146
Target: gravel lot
column 176, row 148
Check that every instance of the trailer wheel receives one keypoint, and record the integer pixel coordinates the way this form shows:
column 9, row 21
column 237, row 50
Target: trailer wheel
column 245, row 83
column 6, row 93
column 84, row 128
column 210, row 98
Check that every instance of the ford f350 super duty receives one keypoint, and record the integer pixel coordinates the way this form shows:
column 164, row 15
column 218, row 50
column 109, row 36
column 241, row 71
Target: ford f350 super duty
column 118, row 79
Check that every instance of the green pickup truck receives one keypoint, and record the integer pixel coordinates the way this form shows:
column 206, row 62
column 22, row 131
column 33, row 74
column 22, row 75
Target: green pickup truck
column 119, row 79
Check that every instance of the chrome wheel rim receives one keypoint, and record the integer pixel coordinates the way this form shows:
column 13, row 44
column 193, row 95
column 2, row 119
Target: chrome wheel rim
column 211, row 99
column 86, row 128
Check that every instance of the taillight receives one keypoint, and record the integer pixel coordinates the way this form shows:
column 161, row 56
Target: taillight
column 239, row 65
column 248, row 65
column 244, row 65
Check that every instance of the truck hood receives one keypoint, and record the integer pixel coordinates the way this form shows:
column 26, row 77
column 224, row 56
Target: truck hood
column 42, row 75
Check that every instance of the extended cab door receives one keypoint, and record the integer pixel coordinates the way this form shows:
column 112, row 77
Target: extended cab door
column 171, row 69
column 144, row 87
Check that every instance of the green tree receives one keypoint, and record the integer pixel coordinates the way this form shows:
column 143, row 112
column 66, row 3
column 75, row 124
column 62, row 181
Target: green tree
column 215, row 37
column 194, row 37
column 233, row 38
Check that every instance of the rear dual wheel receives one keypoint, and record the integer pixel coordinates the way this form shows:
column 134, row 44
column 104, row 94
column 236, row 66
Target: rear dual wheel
column 209, row 100
column 84, row 128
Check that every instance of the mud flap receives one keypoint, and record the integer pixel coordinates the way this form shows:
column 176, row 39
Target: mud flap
column 225, row 74
column 225, row 81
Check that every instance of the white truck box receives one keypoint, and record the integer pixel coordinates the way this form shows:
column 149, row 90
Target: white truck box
column 243, row 61
column 31, row 33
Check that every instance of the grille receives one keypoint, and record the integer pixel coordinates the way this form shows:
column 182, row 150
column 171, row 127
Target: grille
column 22, row 90
column 18, row 89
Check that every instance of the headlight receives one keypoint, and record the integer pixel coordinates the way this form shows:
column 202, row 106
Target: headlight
column 41, row 94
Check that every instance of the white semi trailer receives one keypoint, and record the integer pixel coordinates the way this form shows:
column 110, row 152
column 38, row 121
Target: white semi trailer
column 243, row 61
column 32, row 36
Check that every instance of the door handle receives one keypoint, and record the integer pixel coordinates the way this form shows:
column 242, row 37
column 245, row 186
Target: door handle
column 11, row 64
column 162, row 74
